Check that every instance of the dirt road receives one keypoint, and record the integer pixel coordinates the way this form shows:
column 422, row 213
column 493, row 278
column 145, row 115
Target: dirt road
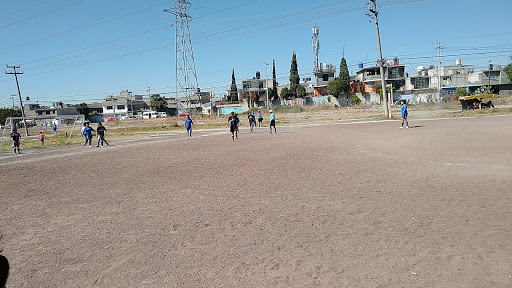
column 346, row 205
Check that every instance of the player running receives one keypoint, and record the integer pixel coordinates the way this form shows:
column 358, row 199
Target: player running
column 100, row 132
column 88, row 133
column 404, row 113
column 233, row 122
column 252, row 120
column 188, row 125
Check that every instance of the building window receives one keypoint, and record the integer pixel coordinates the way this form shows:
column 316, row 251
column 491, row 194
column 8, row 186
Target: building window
column 109, row 107
column 120, row 107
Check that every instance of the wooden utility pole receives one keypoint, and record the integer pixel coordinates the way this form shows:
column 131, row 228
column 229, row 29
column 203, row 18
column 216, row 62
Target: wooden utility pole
column 19, row 94
column 373, row 9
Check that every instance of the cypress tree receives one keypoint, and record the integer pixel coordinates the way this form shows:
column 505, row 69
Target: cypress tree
column 344, row 77
column 294, row 75
column 274, row 81
column 233, row 94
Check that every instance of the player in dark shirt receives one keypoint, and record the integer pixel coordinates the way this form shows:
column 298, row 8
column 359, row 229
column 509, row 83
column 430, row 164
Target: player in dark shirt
column 233, row 122
column 252, row 120
column 15, row 140
column 100, row 131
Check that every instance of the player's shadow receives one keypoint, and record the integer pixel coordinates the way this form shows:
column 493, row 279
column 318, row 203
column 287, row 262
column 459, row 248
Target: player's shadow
column 417, row 126
column 4, row 271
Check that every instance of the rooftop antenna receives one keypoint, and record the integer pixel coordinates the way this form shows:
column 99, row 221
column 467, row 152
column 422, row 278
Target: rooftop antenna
column 316, row 47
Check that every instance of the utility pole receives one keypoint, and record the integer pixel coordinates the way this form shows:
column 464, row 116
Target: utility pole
column 113, row 104
column 131, row 103
column 439, row 66
column 19, row 94
column 266, row 83
column 490, row 66
column 149, row 97
column 373, row 9
column 211, row 102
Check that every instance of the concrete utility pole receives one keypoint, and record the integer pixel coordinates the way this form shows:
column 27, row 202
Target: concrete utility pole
column 439, row 66
column 266, row 83
column 113, row 104
column 19, row 94
column 373, row 9
column 489, row 76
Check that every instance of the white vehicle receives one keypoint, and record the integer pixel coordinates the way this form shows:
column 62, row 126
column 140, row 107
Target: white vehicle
column 149, row 115
column 162, row 114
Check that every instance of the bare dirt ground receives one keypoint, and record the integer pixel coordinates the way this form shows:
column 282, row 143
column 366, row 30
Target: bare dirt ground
column 338, row 205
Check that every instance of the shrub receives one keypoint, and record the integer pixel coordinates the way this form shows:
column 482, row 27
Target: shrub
column 355, row 99
column 288, row 109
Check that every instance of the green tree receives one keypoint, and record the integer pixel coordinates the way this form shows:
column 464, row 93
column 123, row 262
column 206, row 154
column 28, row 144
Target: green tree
column 83, row 109
column 300, row 91
column 483, row 90
column 157, row 102
column 233, row 93
column 274, row 81
column 8, row 112
column 294, row 75
column 344, row 76
column 285, row 93
column 334, row 87
column 460, row 92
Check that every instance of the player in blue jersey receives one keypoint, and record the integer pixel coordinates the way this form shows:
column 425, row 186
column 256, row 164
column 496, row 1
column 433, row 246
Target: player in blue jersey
column 272, row 121
column 404, row 113
column 188, row 125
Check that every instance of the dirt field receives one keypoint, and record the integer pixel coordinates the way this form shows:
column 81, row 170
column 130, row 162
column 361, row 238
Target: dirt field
column 338, row 205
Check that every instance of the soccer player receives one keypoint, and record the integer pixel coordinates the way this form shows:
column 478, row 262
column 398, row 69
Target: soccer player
column 260, row 118
column 15, row 140
column 233, row 122
column 272, row 121
column 100, row 132
column 83, row 134
column 188, row 124
column 403, row 112
column 41, row 137
column 88, row 133
column 252, row 120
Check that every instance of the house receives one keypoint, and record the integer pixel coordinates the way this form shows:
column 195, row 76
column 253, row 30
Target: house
column 368, row 80
column 57, row 109
column 125, row 104
column 323, row 75
column 434, row 83
column 94, row 112
column 256, row 88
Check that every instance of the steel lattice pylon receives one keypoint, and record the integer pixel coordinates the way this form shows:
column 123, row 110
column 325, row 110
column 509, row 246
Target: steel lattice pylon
column 186, row 78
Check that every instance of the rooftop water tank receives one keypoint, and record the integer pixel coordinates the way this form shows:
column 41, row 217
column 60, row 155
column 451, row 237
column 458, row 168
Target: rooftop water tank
column 458, row 62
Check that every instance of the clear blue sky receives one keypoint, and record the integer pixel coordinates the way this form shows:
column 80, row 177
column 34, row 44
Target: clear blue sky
column 83, row 50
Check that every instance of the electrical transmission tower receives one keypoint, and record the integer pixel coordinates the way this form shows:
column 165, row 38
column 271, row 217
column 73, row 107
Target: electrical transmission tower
column 186, row 78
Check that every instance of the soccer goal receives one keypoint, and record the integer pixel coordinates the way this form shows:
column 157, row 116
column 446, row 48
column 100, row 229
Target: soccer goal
column 32, row 125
